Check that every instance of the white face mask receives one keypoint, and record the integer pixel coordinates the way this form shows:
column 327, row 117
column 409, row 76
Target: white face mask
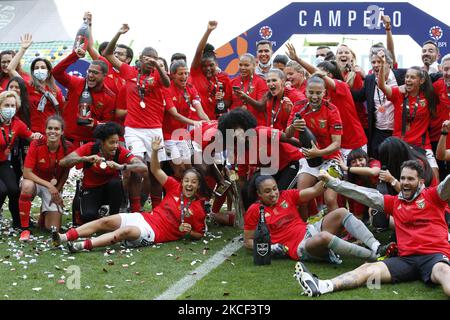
column 40, row 74
column 8, row 113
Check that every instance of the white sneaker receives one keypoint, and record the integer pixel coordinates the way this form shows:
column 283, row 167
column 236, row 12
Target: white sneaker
column 308, row 282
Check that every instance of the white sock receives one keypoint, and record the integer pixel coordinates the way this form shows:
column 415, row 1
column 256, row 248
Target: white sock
column 375, row 246
column 63, row 237
column 325, row 286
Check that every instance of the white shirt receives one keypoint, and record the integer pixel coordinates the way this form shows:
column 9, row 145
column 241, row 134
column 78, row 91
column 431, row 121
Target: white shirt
column 384, row 109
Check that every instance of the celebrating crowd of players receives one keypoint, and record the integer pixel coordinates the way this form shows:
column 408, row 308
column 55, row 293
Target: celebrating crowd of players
column 149, row 121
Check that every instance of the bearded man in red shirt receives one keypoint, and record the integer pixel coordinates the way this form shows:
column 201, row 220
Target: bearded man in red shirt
column 422, row 234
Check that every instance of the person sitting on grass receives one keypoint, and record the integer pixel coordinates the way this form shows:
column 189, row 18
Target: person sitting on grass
column 422, row 233
column 301, row 241
column 180, row 214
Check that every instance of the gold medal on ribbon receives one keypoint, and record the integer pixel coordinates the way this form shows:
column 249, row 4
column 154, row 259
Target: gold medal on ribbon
column 142, row 104
column 233, row 176
column 103, row 165
column 181, row 228
column 54, row 182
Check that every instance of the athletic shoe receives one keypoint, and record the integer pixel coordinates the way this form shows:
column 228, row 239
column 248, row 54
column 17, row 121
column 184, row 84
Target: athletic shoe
column 387, row 251
column 308, row 281
column 56, row 239
column 278, row 250
column 25, row 235
column 75, row 247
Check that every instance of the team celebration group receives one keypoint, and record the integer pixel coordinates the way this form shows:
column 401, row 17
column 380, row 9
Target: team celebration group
column 347, row 148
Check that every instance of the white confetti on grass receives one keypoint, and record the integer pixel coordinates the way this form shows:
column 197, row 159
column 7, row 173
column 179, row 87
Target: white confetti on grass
column 36, row 289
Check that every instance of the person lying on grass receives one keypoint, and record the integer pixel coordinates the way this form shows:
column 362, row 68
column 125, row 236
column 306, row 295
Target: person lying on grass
column 180, row 214
column 423, row 247
column 293, row 237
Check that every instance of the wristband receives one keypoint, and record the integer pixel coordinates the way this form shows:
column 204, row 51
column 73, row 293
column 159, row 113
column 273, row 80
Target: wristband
column 387, row 29
column 444, row 133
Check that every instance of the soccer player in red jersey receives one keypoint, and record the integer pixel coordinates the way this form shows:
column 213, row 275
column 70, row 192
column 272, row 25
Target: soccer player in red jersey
column 422, row 235
column 324, row 121
column 186, row 107
column 45, row 97
column 6, row 57
column 103, row 161
column 145, row 107
column 12, row 128
column 278, row 101
column 442, row 90
column 179, row 215
column 248, row 84
column 338, row 93
column 302, row 241
column 295, row 76
column 211, row 83
column 412, row 109
column 42, row 176
column 103, row 99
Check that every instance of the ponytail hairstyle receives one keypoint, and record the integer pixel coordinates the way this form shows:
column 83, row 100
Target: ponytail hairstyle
column 208, row 52
column 427, row 88
column 331, row 67
column 254, row 184
column 204, row 190
column 58, row 118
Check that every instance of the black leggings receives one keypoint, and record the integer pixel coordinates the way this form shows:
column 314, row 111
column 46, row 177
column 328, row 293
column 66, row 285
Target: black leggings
column 10, row 188
column 108, row 194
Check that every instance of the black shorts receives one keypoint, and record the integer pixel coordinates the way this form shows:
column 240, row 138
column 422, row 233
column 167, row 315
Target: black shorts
column 410, row 268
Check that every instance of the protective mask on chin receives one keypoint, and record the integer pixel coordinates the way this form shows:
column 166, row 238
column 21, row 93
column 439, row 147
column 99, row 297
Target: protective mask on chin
column 40, row 74
column 8, row 113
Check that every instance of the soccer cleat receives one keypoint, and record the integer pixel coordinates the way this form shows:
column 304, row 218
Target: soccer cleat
column 387, row 251
column 308, row 281
column 25, row 235
column 56, row 239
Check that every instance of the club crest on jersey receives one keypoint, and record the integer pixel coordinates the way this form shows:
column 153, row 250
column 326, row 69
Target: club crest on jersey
column 422, row 103
column 262, row 249
column 284, row 204
column 420, row 203
column 322, row 124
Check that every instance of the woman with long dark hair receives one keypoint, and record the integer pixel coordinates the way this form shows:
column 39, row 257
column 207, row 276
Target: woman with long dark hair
column 180, row 214
column 45, row 97
column 412, row 109
column 46, row 178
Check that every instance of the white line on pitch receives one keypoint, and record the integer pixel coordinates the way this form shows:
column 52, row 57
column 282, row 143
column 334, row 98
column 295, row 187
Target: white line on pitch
column 188, row 281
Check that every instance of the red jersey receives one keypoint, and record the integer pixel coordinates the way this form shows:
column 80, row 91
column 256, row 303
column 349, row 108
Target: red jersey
column 323, row 123
column 260, row 153
column 10, row 132
column 420, row 224
column 4, row 81
column 358, row 83
column 94, row 176
column 151, row 116
column 442, row 111
column 207, row 89
column 103, row 105
column 255, row 87
column 113, row 81
column 416, row 132
column 369, row 182
column 38, row 118
column 165, row 219
column 353, row 135
column 283, row 220
column 182, row 100
column 277, row 114
column 42, row 162
column 204, row 135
